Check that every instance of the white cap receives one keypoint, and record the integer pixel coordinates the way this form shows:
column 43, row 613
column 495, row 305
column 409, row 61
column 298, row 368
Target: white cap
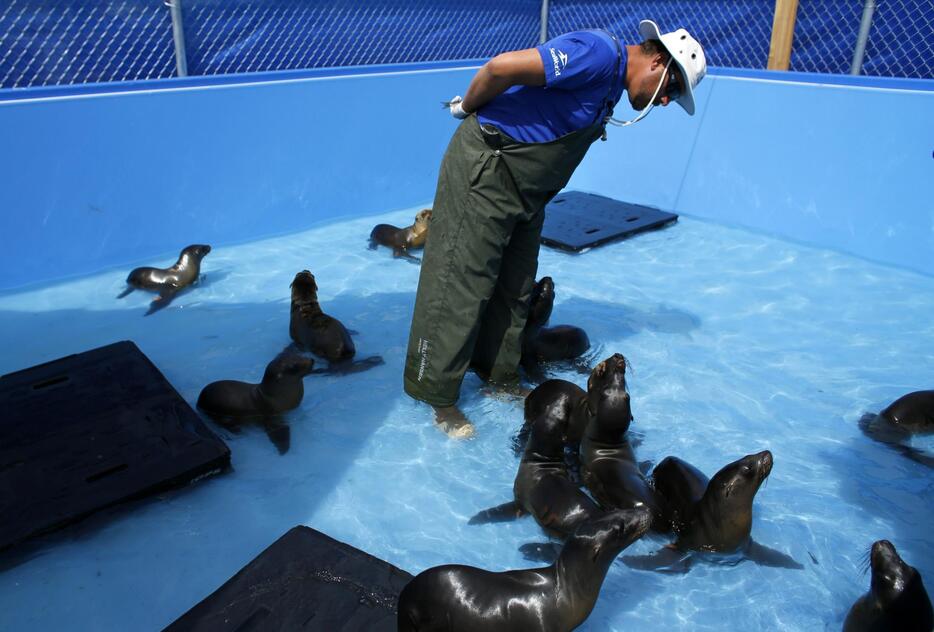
column 686, row 53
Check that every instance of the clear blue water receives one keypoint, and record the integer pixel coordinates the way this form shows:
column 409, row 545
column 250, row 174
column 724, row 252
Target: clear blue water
column 738, row 342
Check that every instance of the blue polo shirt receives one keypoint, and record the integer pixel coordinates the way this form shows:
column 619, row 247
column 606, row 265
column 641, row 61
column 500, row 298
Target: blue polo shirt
column 579, row 70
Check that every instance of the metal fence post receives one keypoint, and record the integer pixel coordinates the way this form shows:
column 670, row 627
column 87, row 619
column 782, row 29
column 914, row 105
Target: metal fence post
column 178, row 34
column 543, row 35
column 869, row 7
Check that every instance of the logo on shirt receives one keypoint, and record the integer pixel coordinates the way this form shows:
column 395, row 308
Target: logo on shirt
column 560, row 60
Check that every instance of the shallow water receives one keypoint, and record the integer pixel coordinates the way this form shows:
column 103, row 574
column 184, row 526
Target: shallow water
column 738, row 343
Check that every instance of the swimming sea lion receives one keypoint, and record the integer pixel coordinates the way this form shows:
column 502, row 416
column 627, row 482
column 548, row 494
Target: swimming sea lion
column 548, row 344
column 543, row 487
column 556, row 598
column 720, row 521
column 608, row 463
column 908, row 415
column 232, row 403
column 168, row 281
column 401, row 240
column 896, row 599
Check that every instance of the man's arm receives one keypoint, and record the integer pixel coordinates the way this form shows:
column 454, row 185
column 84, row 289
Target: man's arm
column 521, row 67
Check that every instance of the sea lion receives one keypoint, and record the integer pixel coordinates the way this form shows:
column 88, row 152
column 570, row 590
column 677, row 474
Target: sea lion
column 548, row 344
column 720, row 521
column 555, row 598
column 401, row 240
column 908, row 415
column 608, row 463
column 896, row 599
column 545, row 395
column 232, row 403
column 168, row 281
column 543, row 487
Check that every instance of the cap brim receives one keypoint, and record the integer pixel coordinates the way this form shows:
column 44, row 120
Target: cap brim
column 649, row 30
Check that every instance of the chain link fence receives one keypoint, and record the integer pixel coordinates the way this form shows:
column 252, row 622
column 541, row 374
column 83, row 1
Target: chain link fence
column 52, row 42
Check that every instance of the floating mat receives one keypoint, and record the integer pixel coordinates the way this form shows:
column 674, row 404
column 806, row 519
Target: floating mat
column 90, row 430
column 575, row 220
column 304, row 581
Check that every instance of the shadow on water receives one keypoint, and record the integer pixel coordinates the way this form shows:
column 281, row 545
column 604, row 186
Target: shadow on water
column 194, row 342
column 608, row 321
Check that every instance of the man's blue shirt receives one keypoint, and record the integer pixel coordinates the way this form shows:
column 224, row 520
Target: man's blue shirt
column 579, row 70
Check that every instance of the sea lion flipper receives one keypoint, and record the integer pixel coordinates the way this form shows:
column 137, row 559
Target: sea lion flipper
column 162, row 300
column 128, row 289
column 278, row 432
column 541, row 552
column 665, row 560
column 500, row 513
column 764, row 556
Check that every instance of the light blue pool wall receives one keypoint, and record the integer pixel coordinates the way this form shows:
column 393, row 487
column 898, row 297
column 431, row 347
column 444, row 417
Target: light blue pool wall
column 99, row 176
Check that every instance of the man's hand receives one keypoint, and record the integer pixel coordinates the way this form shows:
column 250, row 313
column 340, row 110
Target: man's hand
column 455, row 106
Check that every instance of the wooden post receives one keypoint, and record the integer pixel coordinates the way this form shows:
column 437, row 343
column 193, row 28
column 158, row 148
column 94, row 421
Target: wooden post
column 783, row 33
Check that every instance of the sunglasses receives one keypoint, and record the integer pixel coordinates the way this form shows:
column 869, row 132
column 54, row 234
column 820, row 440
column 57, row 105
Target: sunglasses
column 675, row 87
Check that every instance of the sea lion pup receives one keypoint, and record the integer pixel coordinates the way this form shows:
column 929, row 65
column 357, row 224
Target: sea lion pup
column 896, row 599
column 548, row 344
column 543, row 487
column 555, row 598
column 544, row 396
column 168, row 281
column 908, row 415
column 313, row 330
column 608, row 463
column 401, row 240
column 233, row 404
column 719, row 521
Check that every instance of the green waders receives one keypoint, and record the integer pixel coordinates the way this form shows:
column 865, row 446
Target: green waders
column 481, row 256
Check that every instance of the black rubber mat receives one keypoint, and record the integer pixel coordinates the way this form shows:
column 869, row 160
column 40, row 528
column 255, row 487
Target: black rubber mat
column 304, row 581
column 575, row 220
column 90, row 430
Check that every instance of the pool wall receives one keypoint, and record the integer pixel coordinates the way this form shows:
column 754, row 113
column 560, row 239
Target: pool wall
column 115, row 174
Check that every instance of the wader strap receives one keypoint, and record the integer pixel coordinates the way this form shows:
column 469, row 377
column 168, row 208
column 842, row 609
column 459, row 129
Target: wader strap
column 609, row 102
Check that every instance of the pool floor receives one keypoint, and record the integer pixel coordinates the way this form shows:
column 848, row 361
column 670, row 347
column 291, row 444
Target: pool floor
column 739, row 342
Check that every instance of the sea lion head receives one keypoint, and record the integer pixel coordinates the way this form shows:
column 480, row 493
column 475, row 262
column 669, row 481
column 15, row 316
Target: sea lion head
column 897, row 587
column 304, row 287
column 605, row 536
column 740, row 480
column 549, row 429
column 196, row 251
column 541, row 303
column 607, row 397
column 290, row 364
column 422, row 217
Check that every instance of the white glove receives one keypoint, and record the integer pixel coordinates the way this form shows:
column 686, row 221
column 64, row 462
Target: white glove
column 457, row 110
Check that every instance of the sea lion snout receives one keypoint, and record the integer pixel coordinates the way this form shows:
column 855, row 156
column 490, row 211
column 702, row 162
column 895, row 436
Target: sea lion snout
column 765, row 462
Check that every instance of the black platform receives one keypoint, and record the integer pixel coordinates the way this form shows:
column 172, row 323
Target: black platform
column 575, row 220
column 90, row 430
column 304, row 581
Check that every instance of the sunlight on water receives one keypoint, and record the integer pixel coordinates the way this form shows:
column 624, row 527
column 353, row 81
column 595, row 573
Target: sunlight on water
column 738, row 342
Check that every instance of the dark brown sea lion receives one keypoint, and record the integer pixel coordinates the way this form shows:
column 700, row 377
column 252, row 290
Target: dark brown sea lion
column 548, row 344
column 233, row 404
column 544, row 396
column 401, row 240
column 896, row 599
column 608, row 463
column 556, row 598
column 720, row 521
column 911, row 414
column 543, row 487
column 168, row 281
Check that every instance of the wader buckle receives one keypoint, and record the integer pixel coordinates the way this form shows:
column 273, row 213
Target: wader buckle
column 492, row 136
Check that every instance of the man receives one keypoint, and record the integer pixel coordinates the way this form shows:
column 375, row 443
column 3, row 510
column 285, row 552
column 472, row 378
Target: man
column 529, row 118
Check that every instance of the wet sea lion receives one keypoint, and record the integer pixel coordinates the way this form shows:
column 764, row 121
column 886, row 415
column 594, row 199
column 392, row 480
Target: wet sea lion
column 232, row 403
column 168, row 281
column 401, row 240
column 896, row 599
column 608, row 463
column 908, row 415
column 556, row 598
column 548, row 344
column 719, row 521
column 543, row 487
column 544, row 396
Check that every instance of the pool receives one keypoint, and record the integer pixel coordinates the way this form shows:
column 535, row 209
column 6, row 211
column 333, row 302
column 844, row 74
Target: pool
column 739, row 342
